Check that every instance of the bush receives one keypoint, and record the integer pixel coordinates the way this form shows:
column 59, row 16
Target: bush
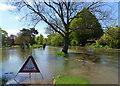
column 111, row 38
column 96, row 46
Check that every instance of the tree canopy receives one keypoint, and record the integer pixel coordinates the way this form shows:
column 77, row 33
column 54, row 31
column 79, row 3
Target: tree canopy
column 57, row 40
column 39, row 39
column 87, row 27
column 26, row 36
column 5, row 38
column 111, row 38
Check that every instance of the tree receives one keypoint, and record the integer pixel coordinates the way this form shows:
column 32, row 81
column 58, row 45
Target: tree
column 57, row 40
column 44, row 40
column 12, row 39
column 39, row 39
column 111, row 38
column 49, row 38
column 89, row 26
column 5, row 37
column 26, row 36
column 57, row 14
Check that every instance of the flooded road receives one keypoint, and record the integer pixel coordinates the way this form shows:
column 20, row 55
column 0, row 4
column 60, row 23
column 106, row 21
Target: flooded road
column 99, row 66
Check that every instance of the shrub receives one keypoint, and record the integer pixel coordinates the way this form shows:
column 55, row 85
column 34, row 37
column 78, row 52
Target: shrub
column 111, row 38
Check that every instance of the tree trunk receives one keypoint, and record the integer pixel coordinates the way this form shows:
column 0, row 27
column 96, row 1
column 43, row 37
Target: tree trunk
column 66, row 44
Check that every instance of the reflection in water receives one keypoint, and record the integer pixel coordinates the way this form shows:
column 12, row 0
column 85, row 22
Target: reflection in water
column 79, row 63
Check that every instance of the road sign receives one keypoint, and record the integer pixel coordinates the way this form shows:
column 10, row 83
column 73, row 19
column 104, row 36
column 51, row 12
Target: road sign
column 29, row 66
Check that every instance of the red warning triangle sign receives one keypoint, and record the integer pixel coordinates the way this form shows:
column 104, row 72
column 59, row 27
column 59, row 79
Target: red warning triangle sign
column 29, row 66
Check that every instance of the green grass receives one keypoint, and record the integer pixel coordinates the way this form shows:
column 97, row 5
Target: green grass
column 3, row 47
column 98, row 46
column 62, row 54
column 68, row 79
column 35, row 46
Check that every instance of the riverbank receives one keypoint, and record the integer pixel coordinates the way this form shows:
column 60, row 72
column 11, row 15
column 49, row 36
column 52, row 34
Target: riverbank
column 16, row 46
column 87, row 46
column 94, row 47
column 98, row 46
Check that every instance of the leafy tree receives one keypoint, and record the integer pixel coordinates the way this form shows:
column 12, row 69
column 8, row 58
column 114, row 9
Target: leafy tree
column 58, row 15
column 18, row 40
column 5, row 38
column 45, row 41
column 89, row 26
column 57, row 40
column 27, row 36
column 111, row 38
column 39, row 39
column 49, row 38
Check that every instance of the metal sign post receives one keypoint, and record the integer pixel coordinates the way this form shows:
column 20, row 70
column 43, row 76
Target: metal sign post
column 42, row 76
column 30, row 77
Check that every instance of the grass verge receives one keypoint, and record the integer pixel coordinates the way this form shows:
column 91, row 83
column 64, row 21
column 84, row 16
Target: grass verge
column 68, row 79
column 62, row 54
column 98, row 46
column 35, row 46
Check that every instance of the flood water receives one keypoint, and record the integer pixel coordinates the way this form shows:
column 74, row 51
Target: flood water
column 103, row 70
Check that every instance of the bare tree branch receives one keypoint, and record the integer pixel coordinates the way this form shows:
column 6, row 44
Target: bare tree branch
column 64, row 11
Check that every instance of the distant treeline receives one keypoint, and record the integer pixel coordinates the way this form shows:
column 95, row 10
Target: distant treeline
column 111, row 38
